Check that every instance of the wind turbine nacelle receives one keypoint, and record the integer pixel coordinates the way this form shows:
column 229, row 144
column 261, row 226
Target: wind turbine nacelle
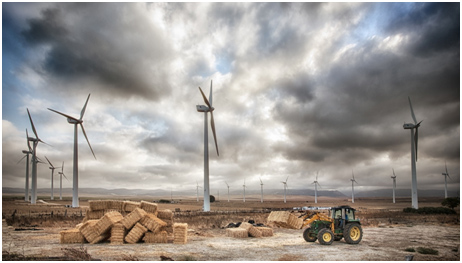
column 73, row 121
column 408, row 126
column 25, row 152
column 202, row 108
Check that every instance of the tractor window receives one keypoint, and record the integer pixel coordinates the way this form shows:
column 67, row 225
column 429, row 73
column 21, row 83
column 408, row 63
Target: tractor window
column 349, row 214
column 337, row 213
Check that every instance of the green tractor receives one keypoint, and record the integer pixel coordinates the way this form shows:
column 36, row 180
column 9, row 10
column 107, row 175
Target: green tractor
column 341, row 223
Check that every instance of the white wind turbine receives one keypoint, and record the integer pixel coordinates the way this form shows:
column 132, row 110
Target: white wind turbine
column 285, row 187
column 394, row 185
column 61, row 174
column 197, row 191
column 414, row 141
column 243, row 186
column 353, row 180
column 75, row 177
column 446, row 175
column 261, row 184
column 228, row 190
column 316, row 188
column 205, row 110
column 52, row 168
column 26, row 152
column 35, row 160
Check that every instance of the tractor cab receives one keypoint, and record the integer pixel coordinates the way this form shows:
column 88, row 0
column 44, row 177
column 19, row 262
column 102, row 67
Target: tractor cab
column 342, row 215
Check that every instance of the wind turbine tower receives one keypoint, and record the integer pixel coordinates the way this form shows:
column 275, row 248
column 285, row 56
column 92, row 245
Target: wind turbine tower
column 285, row 188
column 26, row 152
column 261, row 184
column 353, row 180
column 35, row 142
column 205, row 110
column 197, row 191
column 394, row 185
column 61, row 174
column 75, row 177
column 228, row 190
column 52, row 168
column 446, row 175
column 316, row 189
column 414, row 142
column 243, row 186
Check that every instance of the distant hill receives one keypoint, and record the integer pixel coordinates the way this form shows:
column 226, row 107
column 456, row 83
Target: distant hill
column 403, row 193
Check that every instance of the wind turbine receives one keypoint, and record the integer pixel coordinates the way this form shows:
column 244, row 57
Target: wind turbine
column 261, row 184
column 61, row 174
column 205, row 110
column 353, row 180
column 285, row 187
column 414, row 141
column 243, row 186
column 52, row 168
column 35, row 160
column 75, row 177
column 27, row 152
column 446, row 175
column 197, row 191
column 228, row 190
column 394, row 185
column 316, row 188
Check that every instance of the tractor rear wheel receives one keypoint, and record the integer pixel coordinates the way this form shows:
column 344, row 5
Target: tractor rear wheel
column 353, row 233
column 307, row 236
column 325, row 236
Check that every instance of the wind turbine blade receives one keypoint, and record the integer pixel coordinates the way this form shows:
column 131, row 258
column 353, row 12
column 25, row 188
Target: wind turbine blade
column 84, row 107
column 21, row 159
column 63, row 114
column 446, row 168
column 212, row 123
column 210, row 96
column 49, row 162
column 287, row 178
column 28, row 143
column 84, row 133
column 32, row 123
column 393, row 171
column 205, row 99
column 319, row 185
column 62, row 168
column 412, row 111
column 261, row 181
column 65, row 176
column 226, row 184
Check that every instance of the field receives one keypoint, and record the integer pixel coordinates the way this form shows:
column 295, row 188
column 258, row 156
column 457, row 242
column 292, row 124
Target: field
column 389, row 233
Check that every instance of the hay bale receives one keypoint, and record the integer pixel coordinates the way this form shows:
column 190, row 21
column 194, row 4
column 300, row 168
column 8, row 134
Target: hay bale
column 165, row 214
column 88, row 230
column 71, row 236
column 161, row 237
column 129, row 206
column 135, row 234
column 149, row 207
column 245, row 226
column 237, row 232
column 97, row 214
column 106, row 222
column 96, row 205
column 100, row 238
column 180, row 233
column 266, row 231
column 117, row 233
column 253, row 231
column 115, row 205
column 152, row 223
column 285, row 219
column 131, row 219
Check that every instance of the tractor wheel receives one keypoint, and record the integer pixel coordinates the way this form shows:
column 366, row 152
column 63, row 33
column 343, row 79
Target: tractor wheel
column 307, row 237
column 353, row 233
column 325, row 236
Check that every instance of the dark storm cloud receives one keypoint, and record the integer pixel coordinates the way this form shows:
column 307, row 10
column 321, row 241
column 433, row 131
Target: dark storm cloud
column 103, row 46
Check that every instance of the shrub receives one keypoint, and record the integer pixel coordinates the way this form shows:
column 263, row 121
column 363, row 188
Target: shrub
column 409, row 249
column 430, row 210
column 451, row 202
column 424, row 250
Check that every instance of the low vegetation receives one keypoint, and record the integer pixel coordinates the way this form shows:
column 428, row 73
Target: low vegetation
column 451, row 202
column 430, row 210
column 409, row 249
column 429, row 251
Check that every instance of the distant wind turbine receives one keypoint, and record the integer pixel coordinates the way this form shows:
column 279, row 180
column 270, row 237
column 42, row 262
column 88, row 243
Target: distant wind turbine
column 261, row 184
column 228, row 190
column 61, row 174
column 197, row 191
column 414, row 141
column 52, row 168
column 285, row 187
column 446, row 175
column 243, row 186
column 35, row 160
column 75, row 177
column 316, row 188
column 26, row 152
column 353, row 180
column 205, row 110
column 394, row 185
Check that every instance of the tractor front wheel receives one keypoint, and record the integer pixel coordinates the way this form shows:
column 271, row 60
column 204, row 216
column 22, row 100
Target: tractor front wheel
column 353, row 233
column 325, row 236
column 307, row 236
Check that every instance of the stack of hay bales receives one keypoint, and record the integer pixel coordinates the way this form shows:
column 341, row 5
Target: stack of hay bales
column 285, row 219
column 253, row 231
column 125, row 221
column 249, row 230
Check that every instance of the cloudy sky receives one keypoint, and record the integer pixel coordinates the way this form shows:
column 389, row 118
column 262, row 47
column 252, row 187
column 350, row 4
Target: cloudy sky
column 298, row 89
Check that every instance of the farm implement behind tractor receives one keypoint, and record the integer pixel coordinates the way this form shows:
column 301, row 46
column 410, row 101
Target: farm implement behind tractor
column 341, row 223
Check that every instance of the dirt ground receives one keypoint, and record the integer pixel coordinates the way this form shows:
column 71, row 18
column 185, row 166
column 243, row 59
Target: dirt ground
column 387, row 236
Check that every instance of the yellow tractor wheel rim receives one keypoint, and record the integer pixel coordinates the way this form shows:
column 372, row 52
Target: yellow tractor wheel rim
column 355, row 233
column 326, row 237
